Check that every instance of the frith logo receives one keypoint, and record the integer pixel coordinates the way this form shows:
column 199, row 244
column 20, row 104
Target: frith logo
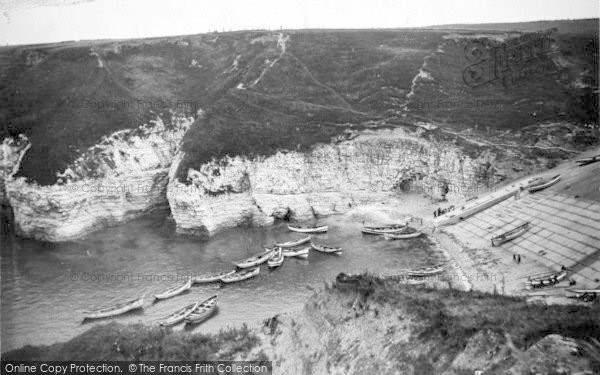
column 509, row 61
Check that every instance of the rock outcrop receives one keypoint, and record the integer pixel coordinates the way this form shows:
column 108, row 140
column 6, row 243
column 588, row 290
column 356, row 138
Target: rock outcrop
column 329, row 179
column 122, row 177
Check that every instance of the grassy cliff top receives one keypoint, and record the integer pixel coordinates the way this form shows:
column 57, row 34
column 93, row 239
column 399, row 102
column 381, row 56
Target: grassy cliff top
column 262, row 91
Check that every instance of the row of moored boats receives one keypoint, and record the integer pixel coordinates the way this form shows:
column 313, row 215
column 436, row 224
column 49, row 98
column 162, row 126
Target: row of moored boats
column 245, row 269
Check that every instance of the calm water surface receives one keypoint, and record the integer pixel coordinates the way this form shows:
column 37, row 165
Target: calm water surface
column 44, row 286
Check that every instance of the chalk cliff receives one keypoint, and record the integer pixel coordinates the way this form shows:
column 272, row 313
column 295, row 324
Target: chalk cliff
column 123, row 176
column 329, row 179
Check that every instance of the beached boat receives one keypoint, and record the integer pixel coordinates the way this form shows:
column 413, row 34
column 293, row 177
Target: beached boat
column 118, row 309
column 510, row 235
column 586, row 295
column 202, row 311
column 326, row 249
column 427, row 271
column 586, row 161
column 547, row 280
column 308, row 229
column 240, row 275
column 178, row 315
column 255, row 260
column 293, row 243
column 173, row 291
column 297, row 253
column 345, row 278
column 277, row 259
column 210, row 278
column 383, row 229
column 405, row 233
column 542, row 183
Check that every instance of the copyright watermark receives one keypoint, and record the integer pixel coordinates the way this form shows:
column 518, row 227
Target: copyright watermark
column 99, row 277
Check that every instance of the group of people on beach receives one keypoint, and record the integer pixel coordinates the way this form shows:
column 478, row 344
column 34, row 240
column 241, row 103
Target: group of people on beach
column 441, row 211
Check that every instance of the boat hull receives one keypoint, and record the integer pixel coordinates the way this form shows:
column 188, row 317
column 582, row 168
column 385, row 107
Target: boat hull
column 175, row 292
column 203, row 311
column 327, row 249
column 510, row 235
column 108, row 312
column 240, row 276
column 287, row 245
column 539, row 187
column 368, row 230
column 297, row 253
column 428, row 271
column 255, row 260
column 276, row 260
column 211, row 278
column 321, row 229
column 401, row 236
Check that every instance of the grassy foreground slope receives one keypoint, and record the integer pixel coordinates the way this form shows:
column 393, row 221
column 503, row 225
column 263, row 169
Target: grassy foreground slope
column 373, row 325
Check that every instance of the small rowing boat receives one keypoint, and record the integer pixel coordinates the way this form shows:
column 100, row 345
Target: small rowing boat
column 510, row 235
column 173, row 291
column 277, row 259
column 586, row 295
column 326, row 249
column 586, row 161
column 118, row 309
column 210, row 278
column 542, row 183
column 427, row 271
column 297, row 253
column 392, row 228
column 542, row 281
column 240, row 275
column 293, row 243
column 255, row 260
column 202, row 311
column 308, row 229
column 403, row 234
column 179, row 315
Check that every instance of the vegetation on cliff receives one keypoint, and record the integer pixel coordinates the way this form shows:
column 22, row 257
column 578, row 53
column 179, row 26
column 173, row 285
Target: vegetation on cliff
column 263, row 91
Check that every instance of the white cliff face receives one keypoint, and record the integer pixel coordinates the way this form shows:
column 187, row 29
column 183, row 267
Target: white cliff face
column 122, row 177
column 12, row 151
column 330, row 179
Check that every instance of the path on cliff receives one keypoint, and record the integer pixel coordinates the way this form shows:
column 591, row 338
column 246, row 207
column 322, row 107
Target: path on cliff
column 281, row 44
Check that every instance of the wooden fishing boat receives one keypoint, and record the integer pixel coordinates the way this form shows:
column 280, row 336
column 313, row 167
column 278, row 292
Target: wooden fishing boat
column 277, row 259
column 510, row 235
column 297, row 253
column 118, row 309
column 202, row 311
column 210, row 278
column 548, row 280
column 405, row 233
column 392, row 228
column 179, row 315
column 255, row 260
column 345, row 278
column 308, row 229
column 427, row 271
column 240, row 275
column 173, row 291
column 586, row 161
column 293, row 243
column 542, row 183
column 586, row 295
column 326, row 249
